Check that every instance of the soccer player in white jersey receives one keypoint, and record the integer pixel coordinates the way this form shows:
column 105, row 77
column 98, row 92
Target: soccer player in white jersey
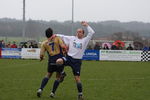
column 76, row 47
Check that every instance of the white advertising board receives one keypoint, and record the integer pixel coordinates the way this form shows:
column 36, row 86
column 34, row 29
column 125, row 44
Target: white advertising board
column 120, row 55
column 30, row 53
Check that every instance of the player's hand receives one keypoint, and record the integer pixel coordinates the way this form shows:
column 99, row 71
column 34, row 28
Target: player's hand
column 41, row 58
column 65, row 48
column 84, row 23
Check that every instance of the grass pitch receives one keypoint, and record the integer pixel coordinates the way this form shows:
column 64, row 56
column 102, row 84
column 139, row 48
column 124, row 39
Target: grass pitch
column 102, row 80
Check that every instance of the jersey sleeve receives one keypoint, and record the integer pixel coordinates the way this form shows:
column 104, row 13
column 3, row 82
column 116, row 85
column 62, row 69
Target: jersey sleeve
column 42, row 51
column 65, row 38
column 62, row 44
column 90, row 33
column 60, row 41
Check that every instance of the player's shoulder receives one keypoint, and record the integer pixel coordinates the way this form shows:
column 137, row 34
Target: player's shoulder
column 57, row 38
column 44, row 42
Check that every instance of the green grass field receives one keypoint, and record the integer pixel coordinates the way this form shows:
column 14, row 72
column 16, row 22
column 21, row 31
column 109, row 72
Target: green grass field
column 102, row 80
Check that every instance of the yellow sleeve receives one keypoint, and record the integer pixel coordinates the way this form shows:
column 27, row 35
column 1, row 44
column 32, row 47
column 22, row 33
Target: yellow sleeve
column 42, row 51
column 60, row 41
column 63, row 46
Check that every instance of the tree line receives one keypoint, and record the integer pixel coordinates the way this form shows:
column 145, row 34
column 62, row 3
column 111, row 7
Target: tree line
column 36, row 28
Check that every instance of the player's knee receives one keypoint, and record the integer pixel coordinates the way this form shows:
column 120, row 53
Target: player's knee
column 60, row 61
column 77, row 79
column 48, row 75
column 58, row 78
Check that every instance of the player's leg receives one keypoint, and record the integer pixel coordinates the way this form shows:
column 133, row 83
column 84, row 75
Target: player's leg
column 62, row 61
column 79, row 87
column 57, row 81
column 43, row 83
column 76, row 68
column 45, row 80
column 55, row 85
column 62, row 77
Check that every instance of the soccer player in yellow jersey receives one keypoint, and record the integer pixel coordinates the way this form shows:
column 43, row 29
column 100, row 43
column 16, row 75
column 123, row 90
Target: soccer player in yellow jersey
column 53, row 46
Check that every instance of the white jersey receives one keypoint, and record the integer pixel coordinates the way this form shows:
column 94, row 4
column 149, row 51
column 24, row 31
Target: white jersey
column 77, row 46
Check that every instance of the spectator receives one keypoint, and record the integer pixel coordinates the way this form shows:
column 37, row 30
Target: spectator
column 119, row 47
column 106, row 47
column 130, row 47
column 8, row 45
column 113, row 47
column 146, row 48
column 2, row 44
column 14, row 45
column 35, row 45
column 89, row 47
column 31, row 45
column 24, row 45
column 97, row 46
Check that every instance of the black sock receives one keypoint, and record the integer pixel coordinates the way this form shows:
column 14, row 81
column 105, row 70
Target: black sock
column 55, row 85
column 44, row 82
column 79, row 86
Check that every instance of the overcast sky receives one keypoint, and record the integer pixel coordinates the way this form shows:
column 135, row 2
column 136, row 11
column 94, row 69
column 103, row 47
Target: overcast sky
column 89, row 10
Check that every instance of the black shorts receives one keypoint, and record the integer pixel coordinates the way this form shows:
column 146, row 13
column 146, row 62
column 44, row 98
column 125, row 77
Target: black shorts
column 55, row 68
column 75, row 64
column 52, row 67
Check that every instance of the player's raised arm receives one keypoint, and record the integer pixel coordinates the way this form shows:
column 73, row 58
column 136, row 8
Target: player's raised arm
column 89, row 29
column 84, row 23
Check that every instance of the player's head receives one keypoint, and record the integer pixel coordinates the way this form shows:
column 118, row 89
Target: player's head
column 49, row 32
column 80, row 33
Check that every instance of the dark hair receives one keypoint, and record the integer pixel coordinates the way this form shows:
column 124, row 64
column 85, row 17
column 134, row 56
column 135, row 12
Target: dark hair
column 49, row 32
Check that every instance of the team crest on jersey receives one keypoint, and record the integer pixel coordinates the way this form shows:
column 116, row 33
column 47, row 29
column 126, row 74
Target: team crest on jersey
column 77, row 45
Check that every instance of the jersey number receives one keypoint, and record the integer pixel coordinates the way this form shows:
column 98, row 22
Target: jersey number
column 52, row 46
